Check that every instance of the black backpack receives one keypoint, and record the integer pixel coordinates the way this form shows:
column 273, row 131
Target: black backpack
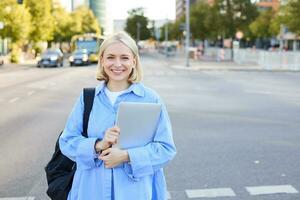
column 60, row 170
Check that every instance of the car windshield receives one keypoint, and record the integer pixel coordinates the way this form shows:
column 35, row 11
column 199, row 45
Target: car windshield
column 80, row 52
column 50, row 53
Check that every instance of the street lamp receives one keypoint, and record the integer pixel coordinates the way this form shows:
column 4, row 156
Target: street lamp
column 166, row 38
column 187, row 35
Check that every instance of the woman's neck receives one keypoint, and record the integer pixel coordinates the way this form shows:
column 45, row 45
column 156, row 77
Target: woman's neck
column 117, row 86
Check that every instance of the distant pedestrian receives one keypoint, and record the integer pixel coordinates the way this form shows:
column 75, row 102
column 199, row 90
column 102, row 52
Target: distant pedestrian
column 105, row 173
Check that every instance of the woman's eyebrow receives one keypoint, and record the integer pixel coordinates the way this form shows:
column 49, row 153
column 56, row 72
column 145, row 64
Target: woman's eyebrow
column 110, row 54
column 125, row 54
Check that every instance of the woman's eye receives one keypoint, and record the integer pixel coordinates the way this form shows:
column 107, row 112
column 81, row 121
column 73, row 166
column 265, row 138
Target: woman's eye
column 110, row 57
column 125, row 58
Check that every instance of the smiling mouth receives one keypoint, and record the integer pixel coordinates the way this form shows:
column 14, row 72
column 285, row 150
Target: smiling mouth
column 117, row 70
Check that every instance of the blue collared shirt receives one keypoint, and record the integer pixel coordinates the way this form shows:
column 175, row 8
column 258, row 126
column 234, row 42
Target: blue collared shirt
column 143, row 177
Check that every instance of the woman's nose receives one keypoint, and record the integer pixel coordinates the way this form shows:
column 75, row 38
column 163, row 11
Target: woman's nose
column 118, row 63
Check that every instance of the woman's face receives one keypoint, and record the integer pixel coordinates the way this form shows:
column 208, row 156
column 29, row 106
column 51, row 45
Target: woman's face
column 118, row 62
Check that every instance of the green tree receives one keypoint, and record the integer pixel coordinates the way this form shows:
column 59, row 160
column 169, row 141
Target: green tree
column 176, row 32
column 291, row 16
column 16, row 19
column 62, row 23
column 42, row 20
column 84, row 21
column 137, row 22
column 213, row 23
column 198, row 16
column 261, row 27
column 236, row 15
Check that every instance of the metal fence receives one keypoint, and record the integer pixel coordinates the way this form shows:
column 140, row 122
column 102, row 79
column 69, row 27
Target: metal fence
column 268, row 59
column 218, row 54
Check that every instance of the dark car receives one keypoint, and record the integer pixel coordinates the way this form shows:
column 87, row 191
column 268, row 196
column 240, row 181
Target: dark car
column 51, row 58
column 79, row 57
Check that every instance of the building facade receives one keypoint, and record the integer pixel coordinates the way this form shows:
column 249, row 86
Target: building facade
column 99, row 9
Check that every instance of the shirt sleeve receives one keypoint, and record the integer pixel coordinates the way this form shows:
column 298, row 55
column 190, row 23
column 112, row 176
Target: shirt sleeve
column 75, row 146
column 153, row 156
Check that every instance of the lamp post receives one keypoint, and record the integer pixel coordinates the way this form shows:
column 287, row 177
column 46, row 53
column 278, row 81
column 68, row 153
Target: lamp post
column 138, row 25
column 187, row 35
column 166, row 38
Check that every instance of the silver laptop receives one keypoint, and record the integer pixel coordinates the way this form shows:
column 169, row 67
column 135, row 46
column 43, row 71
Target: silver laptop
column 137, row 122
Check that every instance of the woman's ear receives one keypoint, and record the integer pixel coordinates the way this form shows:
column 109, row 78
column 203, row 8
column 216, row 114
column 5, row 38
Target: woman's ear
column 100, row 60
column 134, row 61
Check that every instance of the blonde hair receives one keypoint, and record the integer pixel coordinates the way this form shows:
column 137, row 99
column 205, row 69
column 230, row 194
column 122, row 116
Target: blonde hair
column 123, row 37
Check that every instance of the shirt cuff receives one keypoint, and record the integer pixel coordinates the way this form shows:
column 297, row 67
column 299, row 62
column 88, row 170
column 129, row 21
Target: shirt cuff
column 86, row 154
column 140, row 162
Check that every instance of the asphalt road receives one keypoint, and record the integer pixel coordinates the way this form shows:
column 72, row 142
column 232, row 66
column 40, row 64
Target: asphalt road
column 235, row 131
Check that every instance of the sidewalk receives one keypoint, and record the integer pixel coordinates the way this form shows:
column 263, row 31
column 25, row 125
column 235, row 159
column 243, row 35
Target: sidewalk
column 178, row 61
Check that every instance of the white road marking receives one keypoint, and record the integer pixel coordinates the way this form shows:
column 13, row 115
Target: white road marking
column 258, row 92
column 30, row 93
column 18, row 198
column 209, row 193
column 273, row 189
column 14, row 100
column 289, row 95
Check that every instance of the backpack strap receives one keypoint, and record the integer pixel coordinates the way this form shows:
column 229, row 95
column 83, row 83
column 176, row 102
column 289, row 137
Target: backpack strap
column 88, row 99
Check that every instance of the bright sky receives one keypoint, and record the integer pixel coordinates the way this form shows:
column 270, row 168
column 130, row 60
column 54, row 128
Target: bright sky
column 154, row 9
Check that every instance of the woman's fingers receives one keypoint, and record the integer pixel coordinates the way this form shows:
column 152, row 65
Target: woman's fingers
column 112, row 139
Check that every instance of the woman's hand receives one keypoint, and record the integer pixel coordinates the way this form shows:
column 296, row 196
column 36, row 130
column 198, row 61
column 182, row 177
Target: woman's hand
column 110, row 138
column 112, row 157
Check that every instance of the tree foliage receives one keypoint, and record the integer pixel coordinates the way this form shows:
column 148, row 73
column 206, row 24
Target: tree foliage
column 291, row 16
column 62, row 23
column 16, row 20
column 137, row 22
column 205, row 21
column 42, row 20
column 84, row 21
column 199, row 13
column 175, row 30
column 236, row 15
column 261, row 27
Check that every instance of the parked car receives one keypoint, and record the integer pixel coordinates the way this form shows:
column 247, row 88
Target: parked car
column 51, row 58
column 79, row 57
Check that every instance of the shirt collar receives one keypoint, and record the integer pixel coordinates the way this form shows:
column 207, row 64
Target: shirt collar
column 136, row 88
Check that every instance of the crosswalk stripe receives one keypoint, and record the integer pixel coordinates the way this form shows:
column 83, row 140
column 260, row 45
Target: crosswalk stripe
column 213, row 192
column 17, row 198
column 273, row 189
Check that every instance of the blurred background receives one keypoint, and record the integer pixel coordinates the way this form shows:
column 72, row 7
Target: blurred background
column 228, row 71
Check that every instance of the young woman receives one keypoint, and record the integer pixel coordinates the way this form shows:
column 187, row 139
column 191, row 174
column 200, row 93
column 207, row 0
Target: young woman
column 105, row 173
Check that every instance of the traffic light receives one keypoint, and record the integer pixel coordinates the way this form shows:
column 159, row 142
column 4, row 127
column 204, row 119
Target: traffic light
column 20, row 1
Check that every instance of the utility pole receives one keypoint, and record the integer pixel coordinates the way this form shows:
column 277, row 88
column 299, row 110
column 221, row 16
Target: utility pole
column 166, row 38
column 72, row 5
column 187, row 31
column 138, row 25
